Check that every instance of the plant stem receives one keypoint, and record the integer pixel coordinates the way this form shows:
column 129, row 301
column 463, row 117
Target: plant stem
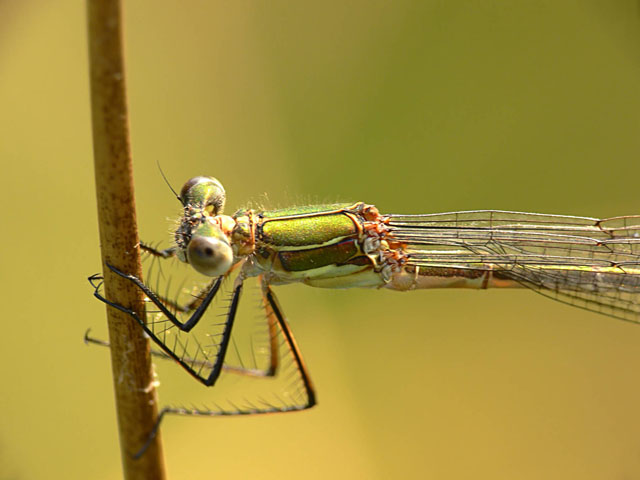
column 135, row 394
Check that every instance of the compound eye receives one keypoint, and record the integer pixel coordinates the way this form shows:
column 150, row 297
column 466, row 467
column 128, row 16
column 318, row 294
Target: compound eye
column 209, row 255
column 207, row 192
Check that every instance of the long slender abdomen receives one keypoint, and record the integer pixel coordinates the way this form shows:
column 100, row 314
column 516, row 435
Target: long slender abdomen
column 414, row 277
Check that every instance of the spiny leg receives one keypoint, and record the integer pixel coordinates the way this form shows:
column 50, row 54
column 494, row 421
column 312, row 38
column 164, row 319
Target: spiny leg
column 193, row 319
column 226, row 337
column 274, row 313
column 216, row 366
column 270, row 299
column 272, row 332
column 194, row 304
column 166, row 253
column 199, row 297
column 275, row 319
column 249, row 372
column 272, row 328
column 202, row 299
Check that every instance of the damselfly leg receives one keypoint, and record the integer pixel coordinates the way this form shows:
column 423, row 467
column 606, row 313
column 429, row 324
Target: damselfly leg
column 206, row 362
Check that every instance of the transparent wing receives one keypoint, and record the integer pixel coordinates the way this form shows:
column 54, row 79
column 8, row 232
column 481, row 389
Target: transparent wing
column 587, row 262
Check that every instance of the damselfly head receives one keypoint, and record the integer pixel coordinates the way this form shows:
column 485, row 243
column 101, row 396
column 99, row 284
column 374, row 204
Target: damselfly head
column 203, row 192
column 203, row 236
column 208, row 251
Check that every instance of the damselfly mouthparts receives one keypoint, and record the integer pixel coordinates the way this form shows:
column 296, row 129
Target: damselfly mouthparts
column 586, row 262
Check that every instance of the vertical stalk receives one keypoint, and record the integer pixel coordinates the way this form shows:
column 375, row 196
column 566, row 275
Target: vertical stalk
column 135, row 395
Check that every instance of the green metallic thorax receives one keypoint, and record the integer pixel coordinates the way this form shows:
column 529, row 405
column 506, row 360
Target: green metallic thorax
column 309, row 244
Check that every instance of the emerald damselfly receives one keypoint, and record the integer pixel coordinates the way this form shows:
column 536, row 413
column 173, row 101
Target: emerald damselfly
column 587, row 262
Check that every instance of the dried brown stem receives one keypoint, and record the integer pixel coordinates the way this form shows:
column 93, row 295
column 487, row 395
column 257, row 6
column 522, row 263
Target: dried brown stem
column 132, row 370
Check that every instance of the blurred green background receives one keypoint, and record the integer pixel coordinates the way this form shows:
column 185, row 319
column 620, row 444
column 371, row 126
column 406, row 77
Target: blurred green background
column 414, row 106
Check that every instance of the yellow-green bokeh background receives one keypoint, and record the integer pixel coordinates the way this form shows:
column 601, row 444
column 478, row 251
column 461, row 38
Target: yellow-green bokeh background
column 414, row 106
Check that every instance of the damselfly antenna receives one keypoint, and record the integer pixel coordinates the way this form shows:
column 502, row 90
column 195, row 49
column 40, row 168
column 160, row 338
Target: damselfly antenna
column 164, row 177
